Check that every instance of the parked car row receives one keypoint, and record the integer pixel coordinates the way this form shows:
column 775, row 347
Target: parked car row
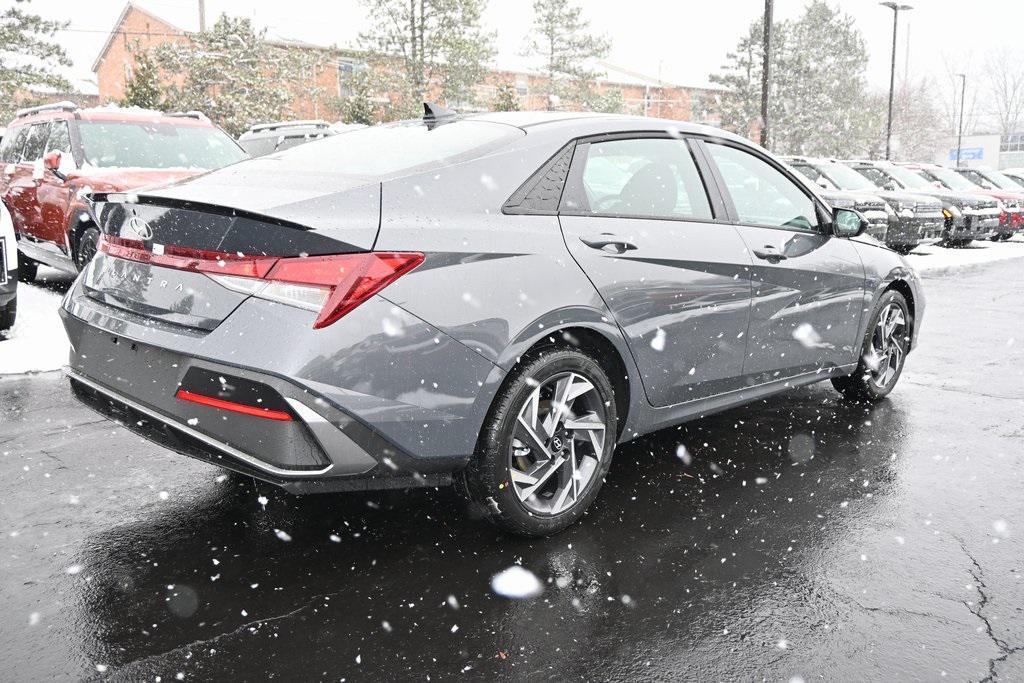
column 923, row 202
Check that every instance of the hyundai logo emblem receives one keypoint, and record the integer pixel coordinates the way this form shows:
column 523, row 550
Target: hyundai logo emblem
column 140, row 228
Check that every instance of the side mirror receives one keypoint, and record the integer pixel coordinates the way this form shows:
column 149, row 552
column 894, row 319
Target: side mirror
column 51, row 162
column 848, row 223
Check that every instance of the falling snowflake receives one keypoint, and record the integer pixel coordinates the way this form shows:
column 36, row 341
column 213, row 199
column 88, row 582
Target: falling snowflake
column 516, row 583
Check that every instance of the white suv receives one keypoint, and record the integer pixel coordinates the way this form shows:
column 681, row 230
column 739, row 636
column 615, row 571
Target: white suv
column 8, row 271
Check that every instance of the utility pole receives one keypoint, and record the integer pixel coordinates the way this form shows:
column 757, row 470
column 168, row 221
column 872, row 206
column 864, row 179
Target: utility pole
column 892, row 71
column 960, row 130
column 766, row 70
column 202, row 16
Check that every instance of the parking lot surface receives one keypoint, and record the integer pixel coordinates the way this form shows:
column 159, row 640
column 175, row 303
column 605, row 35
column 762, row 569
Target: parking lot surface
column 801, row 537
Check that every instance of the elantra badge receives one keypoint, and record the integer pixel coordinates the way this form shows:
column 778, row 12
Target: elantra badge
column 140, row 228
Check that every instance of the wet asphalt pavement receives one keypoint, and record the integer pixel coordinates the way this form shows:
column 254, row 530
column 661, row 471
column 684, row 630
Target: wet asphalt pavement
column 807, row 539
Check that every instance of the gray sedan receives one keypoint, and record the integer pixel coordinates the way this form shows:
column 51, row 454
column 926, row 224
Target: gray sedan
column 493, row 301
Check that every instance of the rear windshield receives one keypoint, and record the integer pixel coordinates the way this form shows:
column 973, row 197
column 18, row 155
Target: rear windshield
column 402, row 147
column 149, row 144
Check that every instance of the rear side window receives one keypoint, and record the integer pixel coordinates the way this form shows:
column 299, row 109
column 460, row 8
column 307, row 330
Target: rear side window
column 643, row 177
column 17, row 144
column 761, row 193
column 36, row 142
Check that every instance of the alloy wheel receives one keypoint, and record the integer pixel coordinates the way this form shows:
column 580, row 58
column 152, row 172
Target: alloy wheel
column 88, row 246
column 557, row 444
column 885, row 357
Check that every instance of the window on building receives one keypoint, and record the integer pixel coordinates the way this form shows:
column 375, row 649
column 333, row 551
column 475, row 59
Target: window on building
column 346, row 70
column 522, row 86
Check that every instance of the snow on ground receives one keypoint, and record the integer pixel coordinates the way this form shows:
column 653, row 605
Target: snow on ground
column 37, row 343
column 936, row 260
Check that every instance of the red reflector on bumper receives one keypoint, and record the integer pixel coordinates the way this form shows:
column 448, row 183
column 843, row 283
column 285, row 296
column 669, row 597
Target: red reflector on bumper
column 220, row 403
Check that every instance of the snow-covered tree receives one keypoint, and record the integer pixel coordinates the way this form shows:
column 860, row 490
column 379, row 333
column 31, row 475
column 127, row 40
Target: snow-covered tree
column 819, row 101
column 440, row 45
column 560, row 37
column 233, row 75
column 506, row 98
column 30, row 57
column 1005, row 80
column 143, row 88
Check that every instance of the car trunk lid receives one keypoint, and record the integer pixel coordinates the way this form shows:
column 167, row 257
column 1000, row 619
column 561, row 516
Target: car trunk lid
column 161, row 255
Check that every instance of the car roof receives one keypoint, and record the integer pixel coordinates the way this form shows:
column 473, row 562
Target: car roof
column 107, row 113
column 596, row 123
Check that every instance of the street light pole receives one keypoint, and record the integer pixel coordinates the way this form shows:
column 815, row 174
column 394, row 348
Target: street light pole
column 766, row 70
column 960, row 130
column 892, row 71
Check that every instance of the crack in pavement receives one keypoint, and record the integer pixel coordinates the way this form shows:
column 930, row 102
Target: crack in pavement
column 256, row 623
column 978, row 574
column 961, row 390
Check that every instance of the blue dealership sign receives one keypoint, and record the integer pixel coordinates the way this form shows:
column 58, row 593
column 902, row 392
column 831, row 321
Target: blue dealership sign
column 968, row 153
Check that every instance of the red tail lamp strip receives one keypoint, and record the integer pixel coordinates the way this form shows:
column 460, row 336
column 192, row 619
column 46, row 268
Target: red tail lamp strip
column 212, row 402
column 350, row 278
column 184, row 258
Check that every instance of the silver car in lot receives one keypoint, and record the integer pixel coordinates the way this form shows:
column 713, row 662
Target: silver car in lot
column 493, row 301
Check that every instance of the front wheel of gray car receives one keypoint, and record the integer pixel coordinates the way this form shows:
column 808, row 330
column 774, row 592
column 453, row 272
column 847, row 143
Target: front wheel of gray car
column 885, row 351
column 546, row 445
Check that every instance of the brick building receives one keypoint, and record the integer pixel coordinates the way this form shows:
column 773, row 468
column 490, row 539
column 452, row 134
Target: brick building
column 138, row 29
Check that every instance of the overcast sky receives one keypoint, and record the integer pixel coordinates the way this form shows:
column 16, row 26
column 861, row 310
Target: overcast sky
column 684, row 40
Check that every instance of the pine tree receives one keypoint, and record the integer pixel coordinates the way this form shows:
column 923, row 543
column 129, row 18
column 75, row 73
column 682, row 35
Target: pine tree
column 819, row 100
column 143, row 88
column 506, row 98
column 233, row 75
column 561, row 39
column 440, row 46
column 29, row 57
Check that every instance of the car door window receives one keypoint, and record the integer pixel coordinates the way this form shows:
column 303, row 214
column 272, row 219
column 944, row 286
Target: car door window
column 17, row 138
column 641, row 177
column 761, row 194
column 60, row 138
column 36, row 142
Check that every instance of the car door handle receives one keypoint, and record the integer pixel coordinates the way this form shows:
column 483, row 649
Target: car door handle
column 608, row 242
column 770, row 254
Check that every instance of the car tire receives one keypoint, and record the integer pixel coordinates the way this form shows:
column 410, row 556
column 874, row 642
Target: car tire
column 8, row 314
column 27, row 269
column 538, row 489
column 883, row 353
column 86, row 246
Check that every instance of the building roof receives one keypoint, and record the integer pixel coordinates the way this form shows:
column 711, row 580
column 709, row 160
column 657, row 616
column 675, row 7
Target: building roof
column 128, row 8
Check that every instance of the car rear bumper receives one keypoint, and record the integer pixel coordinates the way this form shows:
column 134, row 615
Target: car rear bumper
column 335, row 436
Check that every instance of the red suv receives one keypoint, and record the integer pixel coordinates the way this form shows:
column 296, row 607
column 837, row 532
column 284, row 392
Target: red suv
column 55, row 154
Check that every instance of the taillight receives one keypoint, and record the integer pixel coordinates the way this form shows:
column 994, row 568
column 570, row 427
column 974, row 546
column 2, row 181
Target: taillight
column 329, row 285
column 343, row 282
